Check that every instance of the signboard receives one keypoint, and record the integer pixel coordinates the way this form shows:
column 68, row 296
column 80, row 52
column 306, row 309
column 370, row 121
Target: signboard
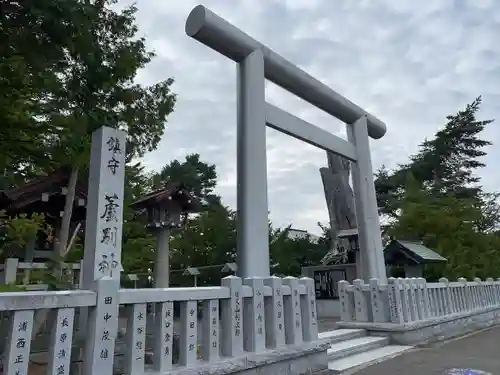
column 326, row 283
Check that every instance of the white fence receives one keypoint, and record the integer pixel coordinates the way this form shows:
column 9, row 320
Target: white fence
column 413, row 299
column 12, row 266
column 250, row 315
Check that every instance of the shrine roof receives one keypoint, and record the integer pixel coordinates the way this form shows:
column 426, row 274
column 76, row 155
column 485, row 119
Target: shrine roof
column 31, row 192
column 410, row 252
column 172, row 191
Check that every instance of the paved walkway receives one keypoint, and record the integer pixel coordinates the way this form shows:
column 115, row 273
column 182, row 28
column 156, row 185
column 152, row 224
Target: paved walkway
column 478, row 351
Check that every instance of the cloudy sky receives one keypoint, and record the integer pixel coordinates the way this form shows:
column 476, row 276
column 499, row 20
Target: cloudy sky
column 408, row 62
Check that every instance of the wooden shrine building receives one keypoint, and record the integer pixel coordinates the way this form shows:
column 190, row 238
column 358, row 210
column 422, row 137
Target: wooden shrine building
column 44, row 195
column 411, row 256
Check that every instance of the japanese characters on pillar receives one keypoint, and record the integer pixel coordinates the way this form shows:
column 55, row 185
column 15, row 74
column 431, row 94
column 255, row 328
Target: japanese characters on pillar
column 62, row 337
column 103, row 328
column 192, row 328
column 275, row 333
column 103, row 236
column 254, row 339
column 293, row 317
column 19, row 342
column 308, row 310
column 164, row 326
column 279, row 309
column 140, row 332
column 231, row 340
column 214, row 324
column 136, row 338
column 237, row 314
column 106, row 338
column 189, row 328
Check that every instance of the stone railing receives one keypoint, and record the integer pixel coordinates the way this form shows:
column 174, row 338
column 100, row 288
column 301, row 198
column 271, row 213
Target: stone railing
column 241, row 318
column 414, row 300
column 12, row 267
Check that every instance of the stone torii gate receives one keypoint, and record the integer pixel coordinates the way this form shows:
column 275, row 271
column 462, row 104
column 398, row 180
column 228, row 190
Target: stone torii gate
column 256, row 63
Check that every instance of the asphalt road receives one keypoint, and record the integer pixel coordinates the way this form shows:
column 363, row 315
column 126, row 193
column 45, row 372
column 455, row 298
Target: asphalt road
column 478, row 351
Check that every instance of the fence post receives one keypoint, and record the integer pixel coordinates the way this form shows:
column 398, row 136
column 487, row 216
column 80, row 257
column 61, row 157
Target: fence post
column 275, row 321
column 254, row 339
column 424, row 294
column 376, row 302
column 293, row 320
column 394, row 298
column 489, row 288
column 405, row 298
column 210, row 330
column 345, row 303
column 462, row 295
column 360, row 305
column 10, row 270
column 478, row 295
column 308, row 310
column 18, row 343
column 445, row 296
column 413, row 299
column 61, row 341
column 231, row 311
column 497, row 291
column 136, row 338
column 102, row 329
column 417, row 299
column 189, row 330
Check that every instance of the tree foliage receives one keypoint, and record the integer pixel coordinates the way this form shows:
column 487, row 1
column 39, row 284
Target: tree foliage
column 447, row 225
column 444, row 165
column 437, row 198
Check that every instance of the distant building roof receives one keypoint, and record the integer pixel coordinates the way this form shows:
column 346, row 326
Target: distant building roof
column 409, row 252
column 303, row 234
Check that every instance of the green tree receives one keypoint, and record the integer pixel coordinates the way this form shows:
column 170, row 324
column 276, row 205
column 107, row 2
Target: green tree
column 198, row 176
column 444, row 165
column 31, row 54
column 447, row 225
column 208, row 239
column 289, row 255
column 95, row 87
column 139, row 243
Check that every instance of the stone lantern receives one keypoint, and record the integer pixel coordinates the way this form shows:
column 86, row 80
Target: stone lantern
column 167, row 209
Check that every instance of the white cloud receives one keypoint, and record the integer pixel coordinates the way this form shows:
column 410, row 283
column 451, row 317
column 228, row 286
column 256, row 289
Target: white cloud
column 410, row 63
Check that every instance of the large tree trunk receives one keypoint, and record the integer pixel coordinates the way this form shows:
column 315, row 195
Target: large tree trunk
column 339, row 199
